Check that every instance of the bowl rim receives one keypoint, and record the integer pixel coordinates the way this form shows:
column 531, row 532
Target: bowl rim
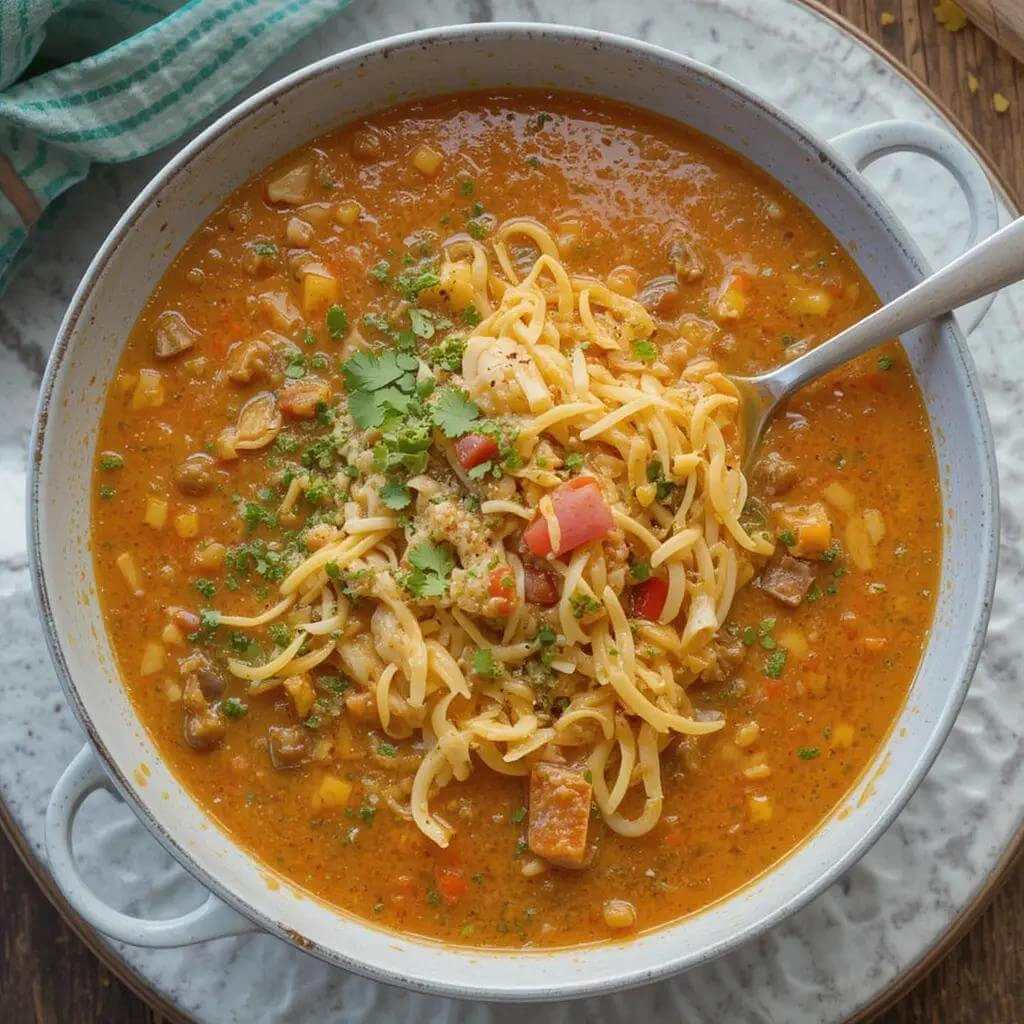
column 277, row 92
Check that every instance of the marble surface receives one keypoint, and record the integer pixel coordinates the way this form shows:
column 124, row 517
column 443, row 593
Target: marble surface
column 837, row 954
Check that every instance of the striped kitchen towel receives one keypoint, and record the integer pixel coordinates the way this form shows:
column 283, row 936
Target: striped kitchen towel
column 125, row 78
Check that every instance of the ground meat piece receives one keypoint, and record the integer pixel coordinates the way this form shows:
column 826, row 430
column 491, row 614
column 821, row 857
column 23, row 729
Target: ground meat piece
column 300, row 399
column 559, row 815
column 194, row 476
column 204, row 731
column 686, row 261
column 773, row 475
column 540, row 587
column 172, row 335
column 787, row 579
column 661, row 297
column 367, row 145
column 728, row 653
column 287, row 745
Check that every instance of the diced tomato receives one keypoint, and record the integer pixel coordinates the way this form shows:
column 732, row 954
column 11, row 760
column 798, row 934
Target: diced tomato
column 539, row 587
column 451, row 884
column 649, row 598
column 582, row 517
column 502, row 584
column 773, row 688
column 474, row 449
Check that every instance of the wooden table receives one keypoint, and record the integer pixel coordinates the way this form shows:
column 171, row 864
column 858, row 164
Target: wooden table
column 48, row 976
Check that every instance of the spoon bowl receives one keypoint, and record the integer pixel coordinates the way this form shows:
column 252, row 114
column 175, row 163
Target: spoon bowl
column 992, row 264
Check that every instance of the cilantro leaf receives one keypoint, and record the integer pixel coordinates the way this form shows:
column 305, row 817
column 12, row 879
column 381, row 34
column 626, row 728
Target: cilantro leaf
column 454, row 413
column 432, row 565
column 395, row 495
column 367, row 372
column 365, row 409
column 411, row 282
column 337, row 321
column 422, row 322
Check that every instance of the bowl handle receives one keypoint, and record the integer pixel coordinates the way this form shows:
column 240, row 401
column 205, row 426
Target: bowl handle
column 212, row 919
column 862, row 146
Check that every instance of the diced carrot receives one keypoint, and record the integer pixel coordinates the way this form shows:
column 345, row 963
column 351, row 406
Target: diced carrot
column 773, row 689
column 451, row 884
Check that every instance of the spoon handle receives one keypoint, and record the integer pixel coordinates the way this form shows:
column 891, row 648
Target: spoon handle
column 987, row 267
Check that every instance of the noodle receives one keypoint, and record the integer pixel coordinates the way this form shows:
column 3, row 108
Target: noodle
column 459, row 664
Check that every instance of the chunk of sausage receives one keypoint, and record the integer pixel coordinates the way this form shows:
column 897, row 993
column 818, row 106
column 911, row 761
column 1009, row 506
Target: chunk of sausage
column 172, row 335
column 559, row 815
column 773, row 475
column 300, row 399
column 194, row 476
column 787, row 580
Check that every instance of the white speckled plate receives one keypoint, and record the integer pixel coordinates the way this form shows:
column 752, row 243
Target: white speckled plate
column 830, row 962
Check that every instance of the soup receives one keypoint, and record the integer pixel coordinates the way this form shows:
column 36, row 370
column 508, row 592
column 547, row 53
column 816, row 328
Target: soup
column 422, row 541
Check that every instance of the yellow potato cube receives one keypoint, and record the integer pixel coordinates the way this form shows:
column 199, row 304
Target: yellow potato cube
column 156, row 513
column 794, row 640
column 302, row 694
column 732, row 303
column 149, row 390
column 332, row 793
column 427, row 161
column 186, row 524
column 152, row 659
column 842, row 736
column 760, row 808
column 810, row 302
column 645, row 494
column 318, row 292
column 172, row 636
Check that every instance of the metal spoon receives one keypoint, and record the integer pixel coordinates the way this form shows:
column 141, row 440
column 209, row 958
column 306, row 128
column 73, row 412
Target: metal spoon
column 989, row 266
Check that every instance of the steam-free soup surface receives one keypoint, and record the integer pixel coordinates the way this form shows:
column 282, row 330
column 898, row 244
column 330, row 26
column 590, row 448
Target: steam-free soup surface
column 188, row 521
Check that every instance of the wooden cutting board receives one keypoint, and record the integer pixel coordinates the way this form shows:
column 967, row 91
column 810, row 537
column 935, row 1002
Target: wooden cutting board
column 1003, row 20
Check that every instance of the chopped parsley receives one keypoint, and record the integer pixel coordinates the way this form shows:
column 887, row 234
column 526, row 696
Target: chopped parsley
column 775, row 663
column 640, row 571
column 387, row 750
column 106, row 492
column 367, row 813
column 471, row 316
column 656, row 476
column 447, row 355
column 485, row 666
column 808, row 753
column 381, row 271
column 267, row 249
column 411, row 282
column 518, row 815
column 255, row 516
column 644, row 350
column 320, row 454
column 111, row 461
column 466, row 188
column 422, row 322
column 749, row 637
column 280, row 634
column 764, row 634
column 583, row 605
column 232, row 707
column 787, row 537
column 546, row 636
column 205, row 587
column 286, row 442
column 885, row 363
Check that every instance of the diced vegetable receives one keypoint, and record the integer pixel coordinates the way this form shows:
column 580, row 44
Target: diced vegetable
column 319, row 292
column 427, row 161
column 582, row 514
column 810, row 527
column 474, row 449
column 502, row 585
column 149, row 390
column 172, row 335
column 152, row 659
column 292, row 187
column 649, row 598
column 810, row 302
column 347, row 213
column 156, row 512
column 332, row 793
column 451, row 884
column 130, row 571
column 732, row 302
column 760, row 808
column 187, row 524
column 301, row 692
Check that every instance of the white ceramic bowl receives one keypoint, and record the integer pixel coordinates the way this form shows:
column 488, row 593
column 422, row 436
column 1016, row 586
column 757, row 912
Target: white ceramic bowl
column 130, row 264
